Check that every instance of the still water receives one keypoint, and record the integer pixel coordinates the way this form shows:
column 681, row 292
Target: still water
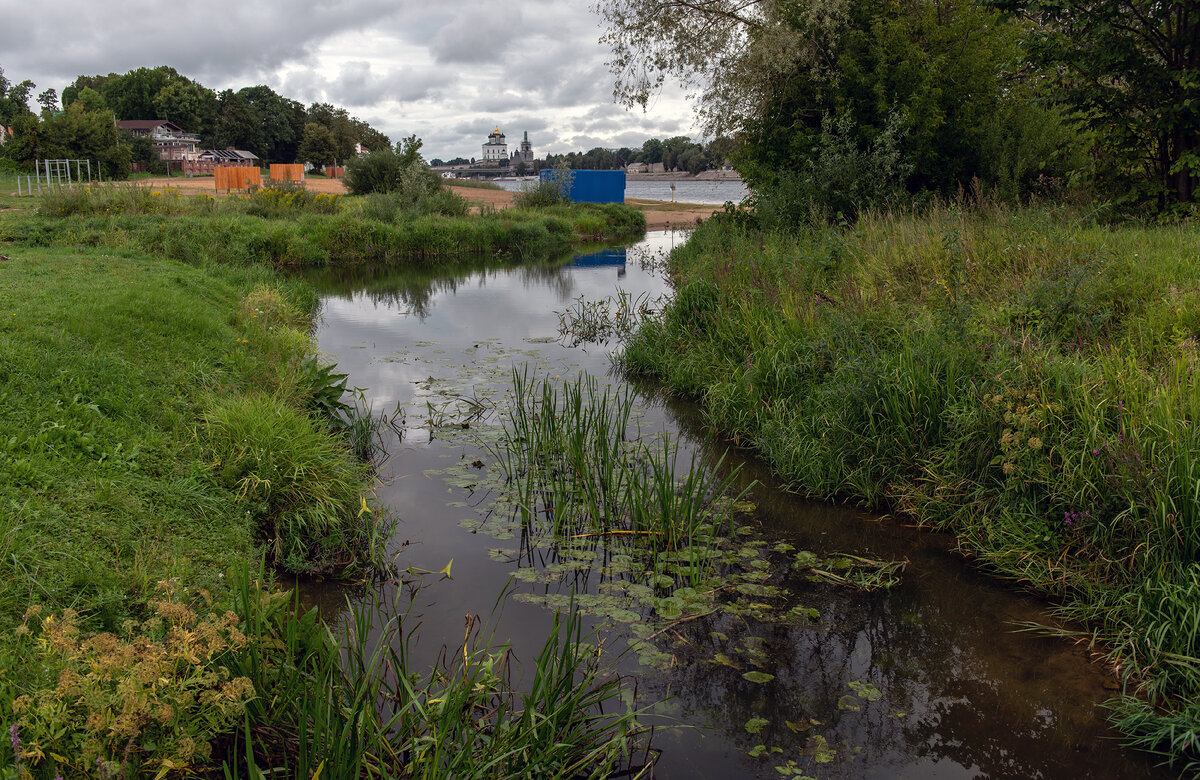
column 686, row 190
column 926, row 680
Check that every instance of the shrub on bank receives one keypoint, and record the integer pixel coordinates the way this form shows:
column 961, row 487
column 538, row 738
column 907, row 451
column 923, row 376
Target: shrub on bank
column 1028, row 383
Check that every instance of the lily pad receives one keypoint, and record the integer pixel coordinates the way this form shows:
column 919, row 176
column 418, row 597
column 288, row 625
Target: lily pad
column 759, row 677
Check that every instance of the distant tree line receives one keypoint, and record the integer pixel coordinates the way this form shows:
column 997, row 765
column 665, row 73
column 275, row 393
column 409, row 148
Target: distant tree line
column 676, row 154
column 255, row 119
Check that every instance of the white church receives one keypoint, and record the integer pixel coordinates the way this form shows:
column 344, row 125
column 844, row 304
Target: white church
column 496, row 150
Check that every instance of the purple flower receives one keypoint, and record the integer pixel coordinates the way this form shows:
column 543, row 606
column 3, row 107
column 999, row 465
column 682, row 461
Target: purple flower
column 15, row 737
column 1095, row 452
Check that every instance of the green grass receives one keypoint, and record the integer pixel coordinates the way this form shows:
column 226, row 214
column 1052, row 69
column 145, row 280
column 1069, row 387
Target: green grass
column 1023, row 379
column 295, row 229
column 147, row 405
column 166, row 422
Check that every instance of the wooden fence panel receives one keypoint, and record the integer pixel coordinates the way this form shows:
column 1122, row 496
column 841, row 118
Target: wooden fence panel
column 280, row 172
column 236, row 177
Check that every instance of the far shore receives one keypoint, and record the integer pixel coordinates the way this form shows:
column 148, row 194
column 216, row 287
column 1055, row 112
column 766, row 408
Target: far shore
column 660, row 215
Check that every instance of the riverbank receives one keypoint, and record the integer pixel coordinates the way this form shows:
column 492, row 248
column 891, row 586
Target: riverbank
column 660, row 215
column 291, row 227
column 1022, row 380
column 168, row 426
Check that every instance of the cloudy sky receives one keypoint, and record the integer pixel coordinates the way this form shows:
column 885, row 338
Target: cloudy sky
column 447, row 70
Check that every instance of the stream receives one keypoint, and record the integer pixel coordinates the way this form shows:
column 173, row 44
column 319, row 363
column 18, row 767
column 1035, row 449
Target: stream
column 928, row 679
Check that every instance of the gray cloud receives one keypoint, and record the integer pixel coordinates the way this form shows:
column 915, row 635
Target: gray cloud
column 448, row 71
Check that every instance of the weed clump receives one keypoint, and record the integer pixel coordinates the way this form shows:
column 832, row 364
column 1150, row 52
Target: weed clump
column 302, row 487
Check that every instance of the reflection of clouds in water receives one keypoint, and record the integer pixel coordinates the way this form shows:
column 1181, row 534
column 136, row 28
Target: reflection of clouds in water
column 465, row 331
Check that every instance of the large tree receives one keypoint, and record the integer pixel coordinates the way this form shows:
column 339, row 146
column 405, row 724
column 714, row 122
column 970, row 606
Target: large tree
column 282, row 122
column 318, row 146
column 238, row 125
column 921, row 88
column 1132, row 69
column 14, row 99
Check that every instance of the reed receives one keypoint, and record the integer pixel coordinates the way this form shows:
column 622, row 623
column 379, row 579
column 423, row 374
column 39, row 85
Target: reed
column 577, row 465
column 374, row 713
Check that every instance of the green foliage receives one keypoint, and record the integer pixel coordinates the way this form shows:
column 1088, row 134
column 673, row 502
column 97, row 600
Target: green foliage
column 551, row 190
column 300, row 486
column 14, row 99
column 359, row 706
column 819, row 93
column 1132, row 72
column 317, row 146
column 155, row 694
column 301, row 229
column 838, row 182
column 75, row 133
column 389, row 170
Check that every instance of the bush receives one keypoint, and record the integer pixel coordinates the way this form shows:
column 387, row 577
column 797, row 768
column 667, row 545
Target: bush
column 551, row 191
column 299, row 482
column 393, row 170
column 839, row 182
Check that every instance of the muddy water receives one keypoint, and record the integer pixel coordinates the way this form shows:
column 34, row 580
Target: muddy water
column 926, row 680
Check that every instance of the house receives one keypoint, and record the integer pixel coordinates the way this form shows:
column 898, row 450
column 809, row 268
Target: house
column 170, row 140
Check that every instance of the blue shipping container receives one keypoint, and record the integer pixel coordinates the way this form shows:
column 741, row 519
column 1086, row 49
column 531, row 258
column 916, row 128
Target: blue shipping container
column 593, row 186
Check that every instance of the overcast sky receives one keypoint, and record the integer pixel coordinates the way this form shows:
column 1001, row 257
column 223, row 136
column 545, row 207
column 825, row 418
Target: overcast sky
column 447, row 70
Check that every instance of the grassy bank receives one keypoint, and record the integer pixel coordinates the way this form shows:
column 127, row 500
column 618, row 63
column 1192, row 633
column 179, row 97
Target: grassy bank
column 1025, row 381
column 293, row 228
column 167, row 423
column 165, row 427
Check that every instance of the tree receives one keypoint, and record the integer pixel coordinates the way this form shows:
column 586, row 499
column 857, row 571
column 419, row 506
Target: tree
column 180, row 101
column 401, row 170
column 131, row 95
column 48, row 100
column 95, row 83
column 237, row 125
column 318, row 145
column 75, row 133
column 652, row 151
column 788, row 77
column 338, row 122
column 14, row 99
column 281, row 120
column 1132, row 70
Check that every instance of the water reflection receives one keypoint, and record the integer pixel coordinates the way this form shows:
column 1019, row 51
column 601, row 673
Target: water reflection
column 925, row 680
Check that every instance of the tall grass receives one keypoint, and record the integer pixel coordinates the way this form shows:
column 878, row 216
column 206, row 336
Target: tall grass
column 1024, row 380
column 265, row 688
column 374, row 713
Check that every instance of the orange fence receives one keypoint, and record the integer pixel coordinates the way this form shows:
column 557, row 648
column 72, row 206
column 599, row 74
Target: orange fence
column 281, row 172
column 206, row 167
column 335, row 171
column 236, row 177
